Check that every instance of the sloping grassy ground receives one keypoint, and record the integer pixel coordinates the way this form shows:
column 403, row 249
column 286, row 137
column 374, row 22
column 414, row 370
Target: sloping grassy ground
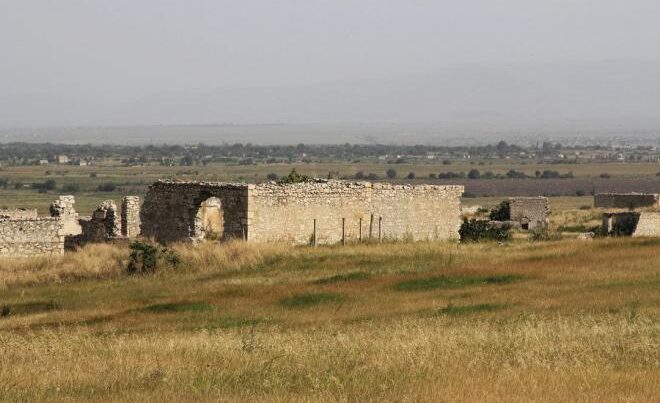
column 553, row 321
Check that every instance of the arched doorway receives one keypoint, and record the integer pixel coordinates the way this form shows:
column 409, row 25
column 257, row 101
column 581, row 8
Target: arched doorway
column 210, row 221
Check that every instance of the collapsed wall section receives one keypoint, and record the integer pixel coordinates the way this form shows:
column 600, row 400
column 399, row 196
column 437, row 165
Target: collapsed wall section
column 18, row 214
column 352, row 211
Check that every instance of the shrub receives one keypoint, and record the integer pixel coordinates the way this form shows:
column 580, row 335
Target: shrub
column 481, row 230
column 502, row 212
column 272, row 176
column 147, row 258
column 411, row 175
column 294, row 177
column 605, row 175
column 107, row 187
column 474, row 174
column 391, row 173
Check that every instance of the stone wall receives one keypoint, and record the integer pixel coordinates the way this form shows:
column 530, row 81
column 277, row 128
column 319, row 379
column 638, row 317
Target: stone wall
column 63, row 209
column 18, row 214
column 130, row 216
column 171, row 211
column 287, row 212
column 174, row 211
column 626, row 200
column 31, row 237
column 648, row 224
column 530, row 212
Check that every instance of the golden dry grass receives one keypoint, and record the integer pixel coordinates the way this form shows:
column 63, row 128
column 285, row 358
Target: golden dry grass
column 553, row 321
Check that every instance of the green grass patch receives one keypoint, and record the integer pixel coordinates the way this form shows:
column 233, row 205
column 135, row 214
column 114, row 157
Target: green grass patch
column 354, row 276
column 440, row 282
column 28, row 308
column 179, row 307
column 308, row 299
column 452, row 309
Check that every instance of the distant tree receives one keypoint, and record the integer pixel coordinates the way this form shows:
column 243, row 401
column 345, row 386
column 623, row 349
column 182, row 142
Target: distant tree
column 372, row 176
column 107, row 187
column 272, row 176
column 474, row 174
column 446, row 162
column 294, row 177
column 432, row 176
column 411, row 175
column 359, row 175
column 605, row 175
column 391, row 173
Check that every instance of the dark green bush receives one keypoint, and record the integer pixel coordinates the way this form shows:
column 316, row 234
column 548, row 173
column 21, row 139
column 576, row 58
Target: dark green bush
column 294, row 177
column 481, row 230
column 502, row 212
column 148, row 258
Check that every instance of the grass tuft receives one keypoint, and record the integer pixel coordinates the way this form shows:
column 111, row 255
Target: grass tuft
column 452, row 309
column 339, row 278
column 432, row 283
column 179, row 307
column 28, row 308
column 310, row 299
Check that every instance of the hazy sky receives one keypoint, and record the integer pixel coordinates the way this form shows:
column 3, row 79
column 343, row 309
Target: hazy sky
column 124, row 62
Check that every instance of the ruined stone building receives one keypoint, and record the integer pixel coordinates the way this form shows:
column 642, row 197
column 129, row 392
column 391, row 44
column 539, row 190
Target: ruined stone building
column 528, row 213
column 644, row 222
column 321, row 212
column 629, row 201
column 23, row 233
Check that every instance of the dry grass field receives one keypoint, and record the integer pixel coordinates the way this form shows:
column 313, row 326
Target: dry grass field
column 551, row 321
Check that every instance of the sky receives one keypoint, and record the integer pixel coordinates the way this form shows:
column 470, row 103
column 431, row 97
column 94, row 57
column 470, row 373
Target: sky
column 462, row 63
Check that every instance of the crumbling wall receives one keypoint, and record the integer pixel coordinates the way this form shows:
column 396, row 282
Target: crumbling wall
column 63, row 209
column 130, row 216
column 530, row 212
column 174, row 211
column 18, row 214
column 31, row 237
column 363, row 210
column 171, row 210
column 626, row 200
column 102, row 226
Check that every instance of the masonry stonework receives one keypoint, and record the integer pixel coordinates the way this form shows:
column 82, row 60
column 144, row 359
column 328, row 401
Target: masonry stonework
column 530, row 212
column 130, row 216
column 648, row 224
column 31, row 237
column 626, row 200
column 272, row 212
column 18, row 214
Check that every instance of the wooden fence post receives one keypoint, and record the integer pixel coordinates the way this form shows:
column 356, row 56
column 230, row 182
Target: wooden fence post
column 380, row 230
column 371, row 226
column 343, row 231
column 360, row 231
column 314, row 235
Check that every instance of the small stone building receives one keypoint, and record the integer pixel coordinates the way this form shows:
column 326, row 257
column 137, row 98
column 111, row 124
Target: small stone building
column 632, row 223
column 330, row 210
column 529, row 212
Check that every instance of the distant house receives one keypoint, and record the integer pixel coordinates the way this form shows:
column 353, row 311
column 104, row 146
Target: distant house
column 81, row 163
column 43, row 162
column 62, row 159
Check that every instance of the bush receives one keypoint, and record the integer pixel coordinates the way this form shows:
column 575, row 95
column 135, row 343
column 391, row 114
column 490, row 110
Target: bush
column 272, row 176
column 502, row 212
column 481, row 230
column 391, row 173
column 294, row 177
column 411, row 175
column 359, row 175
column 107, row 187
column 474, row 174
column 147, row 258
